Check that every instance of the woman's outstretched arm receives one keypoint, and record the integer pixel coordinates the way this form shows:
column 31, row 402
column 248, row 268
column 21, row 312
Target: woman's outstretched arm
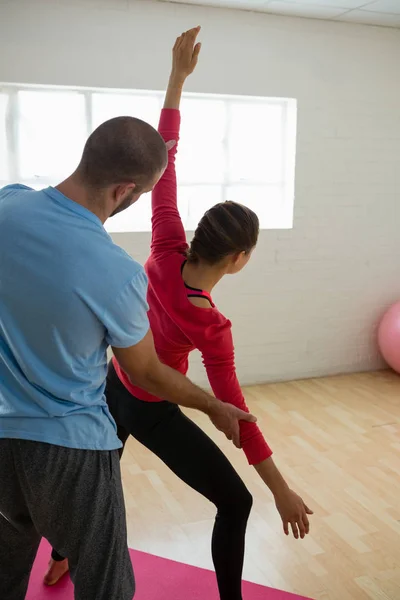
column 218, row 354
column 168, row 234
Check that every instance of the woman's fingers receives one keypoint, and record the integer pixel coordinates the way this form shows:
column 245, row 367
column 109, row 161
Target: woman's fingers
column 295, row 531
column 177, row 43
column 186, row 51
column 306, row 523
column 301, row 527
column 193, row 33
column 303, row 524
column 196, row 52
column 189, row 37
column 294, row 513
column 286, row 527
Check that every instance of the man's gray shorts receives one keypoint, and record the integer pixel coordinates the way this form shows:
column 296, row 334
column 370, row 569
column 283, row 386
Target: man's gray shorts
column 74, row 499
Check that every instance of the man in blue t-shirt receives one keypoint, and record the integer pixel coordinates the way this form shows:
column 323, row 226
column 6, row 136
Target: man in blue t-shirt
column 67, row 292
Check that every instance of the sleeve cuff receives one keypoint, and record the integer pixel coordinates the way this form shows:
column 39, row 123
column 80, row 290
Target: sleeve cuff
column 170, row 119
column 128, row 341
column 256, row 450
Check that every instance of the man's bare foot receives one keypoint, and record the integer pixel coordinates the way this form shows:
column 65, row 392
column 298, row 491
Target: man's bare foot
column 56, row 570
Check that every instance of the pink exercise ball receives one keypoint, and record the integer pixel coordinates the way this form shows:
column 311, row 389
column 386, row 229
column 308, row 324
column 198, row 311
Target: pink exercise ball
column 389, row 337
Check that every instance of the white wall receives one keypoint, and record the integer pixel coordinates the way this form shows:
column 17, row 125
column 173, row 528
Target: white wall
column 309, row 301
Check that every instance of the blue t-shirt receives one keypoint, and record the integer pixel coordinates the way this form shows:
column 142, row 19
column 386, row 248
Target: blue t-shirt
column 67, row 292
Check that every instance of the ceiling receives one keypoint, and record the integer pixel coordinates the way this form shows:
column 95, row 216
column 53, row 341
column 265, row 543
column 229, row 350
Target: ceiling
column 368, row 12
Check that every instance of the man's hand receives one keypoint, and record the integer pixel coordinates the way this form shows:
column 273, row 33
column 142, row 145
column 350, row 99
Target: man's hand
column 185, row 54
column 141, row 364
column 226, row 418
column 293, row 512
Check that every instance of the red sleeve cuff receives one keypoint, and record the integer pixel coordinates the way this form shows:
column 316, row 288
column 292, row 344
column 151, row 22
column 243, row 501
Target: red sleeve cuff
column 256, row 450
column 170, row 119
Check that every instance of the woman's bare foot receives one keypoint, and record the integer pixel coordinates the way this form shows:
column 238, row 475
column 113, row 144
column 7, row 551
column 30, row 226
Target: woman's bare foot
column 57, row 569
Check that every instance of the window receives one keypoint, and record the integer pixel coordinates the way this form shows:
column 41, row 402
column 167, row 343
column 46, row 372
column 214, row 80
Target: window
column 232, row 147
column 4, row 169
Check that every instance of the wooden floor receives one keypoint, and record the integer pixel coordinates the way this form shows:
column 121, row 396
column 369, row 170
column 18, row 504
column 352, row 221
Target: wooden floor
column 338, row 442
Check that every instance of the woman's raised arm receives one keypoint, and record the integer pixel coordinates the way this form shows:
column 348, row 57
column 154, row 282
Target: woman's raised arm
column 168, row 234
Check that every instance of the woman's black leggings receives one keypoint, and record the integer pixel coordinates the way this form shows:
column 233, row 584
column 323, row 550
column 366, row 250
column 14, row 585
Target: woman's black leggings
column 196, row 460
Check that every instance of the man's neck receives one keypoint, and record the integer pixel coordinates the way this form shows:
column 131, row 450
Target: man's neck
column 75, row 191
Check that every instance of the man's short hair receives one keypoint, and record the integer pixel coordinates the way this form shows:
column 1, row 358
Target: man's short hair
column 122, row 150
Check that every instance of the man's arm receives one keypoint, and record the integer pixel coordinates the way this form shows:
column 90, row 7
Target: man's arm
column 141, row 364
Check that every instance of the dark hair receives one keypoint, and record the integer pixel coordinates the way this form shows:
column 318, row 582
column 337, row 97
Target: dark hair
column 227, row 228
column 122, row 150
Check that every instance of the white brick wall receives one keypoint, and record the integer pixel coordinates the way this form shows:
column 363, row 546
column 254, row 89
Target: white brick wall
column 309, row 301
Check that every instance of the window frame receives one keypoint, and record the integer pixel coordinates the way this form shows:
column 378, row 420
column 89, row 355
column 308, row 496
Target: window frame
column 289, row 124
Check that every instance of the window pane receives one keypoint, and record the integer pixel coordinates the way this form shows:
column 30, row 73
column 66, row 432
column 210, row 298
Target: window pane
column 267, row 201
column 201, row 150
column 136, row 218
column 195, row 200
column 52, row 132
column 108, row 105
column 4, row 174
column 256, row 142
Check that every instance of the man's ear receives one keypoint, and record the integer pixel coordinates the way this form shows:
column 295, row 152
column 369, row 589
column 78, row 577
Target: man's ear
column 122, row 190
column 170, row 144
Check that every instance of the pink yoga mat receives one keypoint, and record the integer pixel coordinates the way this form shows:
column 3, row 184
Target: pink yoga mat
column 156, row 578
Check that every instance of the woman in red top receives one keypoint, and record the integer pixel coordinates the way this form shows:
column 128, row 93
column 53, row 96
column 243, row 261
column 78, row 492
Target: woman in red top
column 183, row 317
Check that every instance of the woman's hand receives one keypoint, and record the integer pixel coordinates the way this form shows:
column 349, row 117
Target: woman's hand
column 185, row 54
column 184, row 60
column 293, row 512
column 290, row 506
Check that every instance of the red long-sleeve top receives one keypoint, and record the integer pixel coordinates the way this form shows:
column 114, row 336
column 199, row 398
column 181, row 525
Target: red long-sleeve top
column 179, row 326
